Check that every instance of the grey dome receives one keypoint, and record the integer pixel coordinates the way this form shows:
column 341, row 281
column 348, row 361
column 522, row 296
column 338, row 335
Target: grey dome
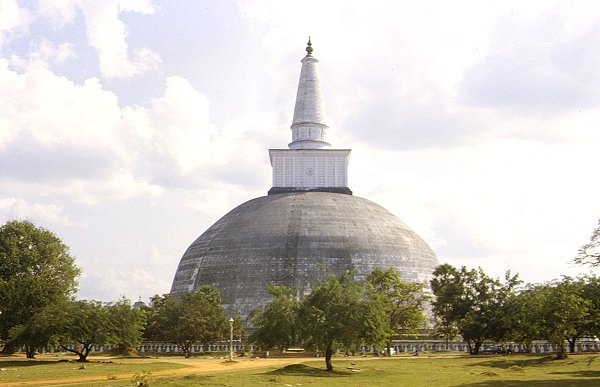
column 288, row 239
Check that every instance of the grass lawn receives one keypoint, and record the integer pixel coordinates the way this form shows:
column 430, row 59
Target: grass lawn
column 435, row 370
column 20, row 370
column 511, row 370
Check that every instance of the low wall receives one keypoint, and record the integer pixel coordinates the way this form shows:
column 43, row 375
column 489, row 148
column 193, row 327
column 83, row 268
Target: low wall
column 398, row 346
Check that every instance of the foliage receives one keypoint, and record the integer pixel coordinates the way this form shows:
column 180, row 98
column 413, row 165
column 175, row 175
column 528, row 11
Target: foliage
column 77, row 326
column 403, row 302
column 35, row 334
column 589, row 254
column 447, row 287
column 591, row 291
column 127, row 323
column 275, row 325
column 472, row 302
column 239, row 330
column 558, row 311
column 192, row 318
column 588, row 289
column 564, row 312
column 36, row 270
column 523, row 315
column 341, row 313
column 81, row 325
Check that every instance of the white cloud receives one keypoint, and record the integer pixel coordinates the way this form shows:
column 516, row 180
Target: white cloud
column 51, row 214
column 58, row 12
column 499, row 203
column 108, row 35
column 75, row 139
column 183, row 125
column 14, row 20
column 111, row 284
column 66, row 136
column 144, row 7
column 541, row 64
column 44, row 53
column 55, row 110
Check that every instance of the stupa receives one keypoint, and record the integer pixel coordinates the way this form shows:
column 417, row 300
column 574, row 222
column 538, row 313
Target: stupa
column 309, row 224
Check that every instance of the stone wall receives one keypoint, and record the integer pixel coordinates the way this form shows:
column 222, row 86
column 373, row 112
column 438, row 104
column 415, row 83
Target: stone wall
column 398, row 346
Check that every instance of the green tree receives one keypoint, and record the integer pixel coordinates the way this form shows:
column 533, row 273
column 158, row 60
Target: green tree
column 192, row 318
column 36, row 270
column 563, row 313
column 474, row 302
column 591, row 292
column 446, row 307
column 589, row 254
column 35, row 334
column 523, row 314
column 77, row 326
column 587, row 288
column 403, row 302
column 83, row 324
column 275, row 325
column 341, row 313
column 127, row 323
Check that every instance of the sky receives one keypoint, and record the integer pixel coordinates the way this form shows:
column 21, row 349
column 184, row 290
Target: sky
column 128, row 127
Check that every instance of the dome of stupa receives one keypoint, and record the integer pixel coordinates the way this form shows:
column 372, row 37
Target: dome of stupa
column 291, row 239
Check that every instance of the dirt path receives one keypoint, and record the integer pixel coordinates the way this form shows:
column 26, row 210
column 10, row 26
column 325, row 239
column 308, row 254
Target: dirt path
column 192, row 366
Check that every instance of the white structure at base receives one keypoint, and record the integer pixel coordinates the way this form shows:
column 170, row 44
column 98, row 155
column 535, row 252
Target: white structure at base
column 310, row 168
column 308, row 164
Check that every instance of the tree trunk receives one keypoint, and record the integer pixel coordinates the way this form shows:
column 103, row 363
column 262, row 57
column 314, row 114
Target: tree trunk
column 186, row 347
column 9, row 348
column 447, row 341
column 562, row 353
column 328, row 354
column 572, row 344
column 470, row 347
column 477, row 346
column 84, row 353
column 85, row 350
column 388, row 349
column 29, row 352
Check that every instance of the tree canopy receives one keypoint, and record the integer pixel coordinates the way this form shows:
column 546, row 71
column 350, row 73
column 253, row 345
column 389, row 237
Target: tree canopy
column 472, row 302
column 341, row 312
column 36, row 270
column 590, row 252
column 403, row 302
column 275, row 325
column 196, row 317
column 77, row 326
column 563, row 310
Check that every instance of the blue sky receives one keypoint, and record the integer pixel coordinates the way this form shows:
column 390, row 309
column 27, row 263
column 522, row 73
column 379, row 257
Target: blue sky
column 129, row 127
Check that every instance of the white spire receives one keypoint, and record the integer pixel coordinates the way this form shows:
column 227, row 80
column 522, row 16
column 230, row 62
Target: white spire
column 309, row 127
column 309, row 164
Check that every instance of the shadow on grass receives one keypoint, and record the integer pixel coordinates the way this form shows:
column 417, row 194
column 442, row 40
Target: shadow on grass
column 580, row 374
column 24, row 363
column 507, row 362
column 535, row 383
column 304, row 370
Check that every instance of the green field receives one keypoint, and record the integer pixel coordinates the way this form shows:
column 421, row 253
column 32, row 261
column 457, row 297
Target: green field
column 423, row 370
column 47, row 369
